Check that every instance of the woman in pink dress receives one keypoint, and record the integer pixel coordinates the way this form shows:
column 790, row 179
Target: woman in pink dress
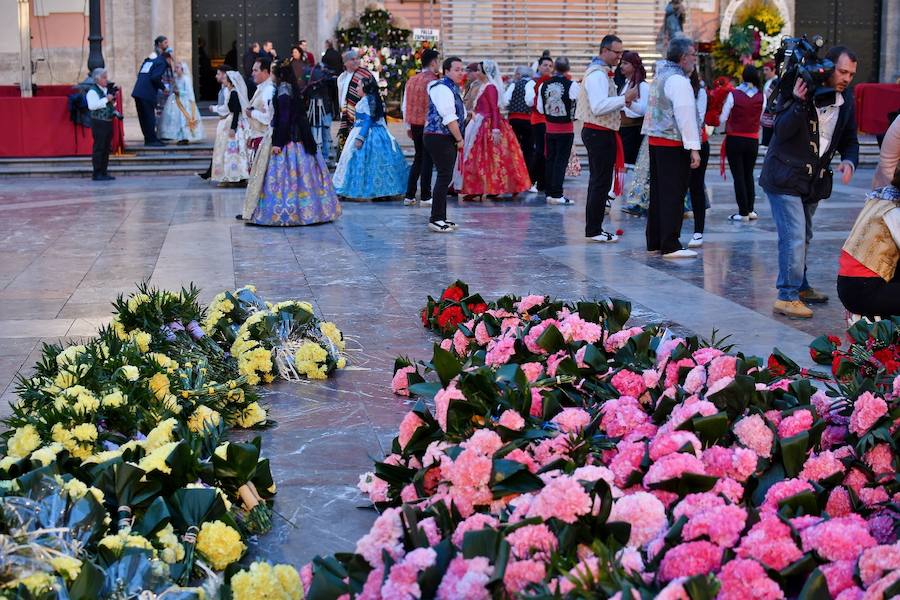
column 491, row 162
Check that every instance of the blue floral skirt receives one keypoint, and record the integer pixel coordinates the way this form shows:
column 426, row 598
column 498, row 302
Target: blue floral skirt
column 376, row 170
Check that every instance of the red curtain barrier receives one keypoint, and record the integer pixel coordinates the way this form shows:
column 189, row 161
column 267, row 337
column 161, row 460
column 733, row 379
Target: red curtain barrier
column 41, row 126
column 874, row 101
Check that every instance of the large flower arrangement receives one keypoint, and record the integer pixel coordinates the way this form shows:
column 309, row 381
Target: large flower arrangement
column 755, row 36
column 383, row 42
column 115, row 474
column 567, row 455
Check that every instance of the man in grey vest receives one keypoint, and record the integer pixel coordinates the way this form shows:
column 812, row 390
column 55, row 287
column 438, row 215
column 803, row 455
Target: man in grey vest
column 102, row 106
column 674, row 139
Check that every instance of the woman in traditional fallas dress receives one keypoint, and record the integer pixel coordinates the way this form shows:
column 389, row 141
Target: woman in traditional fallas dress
column 180, row 118
column 492, row 162
column 372, row 164
column 297, row 188
column 230, row 161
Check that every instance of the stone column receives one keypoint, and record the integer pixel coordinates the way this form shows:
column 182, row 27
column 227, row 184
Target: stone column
column 162, row 20
column 24, row 19
column 317, row 21
column 890, row 42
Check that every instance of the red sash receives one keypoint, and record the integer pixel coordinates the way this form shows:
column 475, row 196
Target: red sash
column 754, row 136
column 619, row 168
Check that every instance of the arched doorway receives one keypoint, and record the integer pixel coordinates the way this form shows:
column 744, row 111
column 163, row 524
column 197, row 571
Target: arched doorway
column 224, row 29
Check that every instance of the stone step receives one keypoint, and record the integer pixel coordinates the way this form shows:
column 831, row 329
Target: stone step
column 179, row 160
column 187, row 167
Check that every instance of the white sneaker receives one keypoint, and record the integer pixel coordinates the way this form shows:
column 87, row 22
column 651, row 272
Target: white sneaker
column 753, row 216
column 683, row 253
column 562, row 201
column 735, row 217
column 452, row 225
column 533, row 189
column 425, row 202
column 604, row 237
column 409, row 201
column 440, row 227
column 696, row 241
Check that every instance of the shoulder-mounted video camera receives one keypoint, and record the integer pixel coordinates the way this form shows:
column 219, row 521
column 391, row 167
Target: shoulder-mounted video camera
column 799, row 57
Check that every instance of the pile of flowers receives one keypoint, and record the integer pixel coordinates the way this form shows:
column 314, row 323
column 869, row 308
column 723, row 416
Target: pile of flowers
column 285, row 340
column 556, row 452
column 755, row 37
column 383, row 43
column 116, row 473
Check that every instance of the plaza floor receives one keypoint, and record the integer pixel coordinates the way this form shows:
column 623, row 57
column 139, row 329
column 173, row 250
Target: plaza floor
column 69, row 246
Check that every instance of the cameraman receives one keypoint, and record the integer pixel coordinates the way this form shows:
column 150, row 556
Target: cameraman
column 101, row 103
column 796, row 174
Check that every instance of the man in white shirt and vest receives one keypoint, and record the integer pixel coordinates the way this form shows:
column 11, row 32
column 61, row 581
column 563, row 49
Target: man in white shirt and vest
column 674, row 140
column 101, row 104
column 599, row 108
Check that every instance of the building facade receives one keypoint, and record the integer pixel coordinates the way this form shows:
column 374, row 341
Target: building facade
column 512, row 31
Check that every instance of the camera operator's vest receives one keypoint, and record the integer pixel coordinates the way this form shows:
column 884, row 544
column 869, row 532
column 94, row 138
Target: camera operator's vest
column 107, row 112
column 870, row 241
column 558, row 107
column 662, row 122
column 611, row 120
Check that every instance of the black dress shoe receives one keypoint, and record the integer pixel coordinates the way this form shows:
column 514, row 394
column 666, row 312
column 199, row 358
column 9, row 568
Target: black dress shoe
column 109, row 177
column 102, row 178
column 156, row 144
column 239, row 217
column 204, row 175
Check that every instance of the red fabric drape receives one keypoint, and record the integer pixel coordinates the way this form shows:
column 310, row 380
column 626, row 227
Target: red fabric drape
column 41, row 126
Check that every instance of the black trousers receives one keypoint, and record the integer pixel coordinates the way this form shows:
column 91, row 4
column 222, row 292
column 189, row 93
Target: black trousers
column 870, row 296
column 537, row 166
column 601, row 151
column 522, row 129
column 767, row 135
column 697, row 189
column 670, row 175
column 102, row 132
column 421, row 167
column 631, row 142
column 559, row 148
column 146, row 111
column 741, row 153
column 442, row 151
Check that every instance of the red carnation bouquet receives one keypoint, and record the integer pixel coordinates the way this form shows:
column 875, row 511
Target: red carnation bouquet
column 455, row 306
column 872, row 351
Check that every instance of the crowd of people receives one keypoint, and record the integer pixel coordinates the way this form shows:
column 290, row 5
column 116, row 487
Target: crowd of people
column 478, row 137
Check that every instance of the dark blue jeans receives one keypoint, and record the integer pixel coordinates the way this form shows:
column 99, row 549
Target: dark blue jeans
column 793, row 220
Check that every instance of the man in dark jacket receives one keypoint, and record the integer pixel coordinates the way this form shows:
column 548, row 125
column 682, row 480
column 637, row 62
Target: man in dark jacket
column 331, row 58
column 147, row 87
column 796, row 173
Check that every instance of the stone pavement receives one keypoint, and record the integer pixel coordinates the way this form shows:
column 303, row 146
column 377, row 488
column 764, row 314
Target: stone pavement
column 67, row 247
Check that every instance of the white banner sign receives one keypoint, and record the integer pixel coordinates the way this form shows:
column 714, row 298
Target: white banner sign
column 426, row 35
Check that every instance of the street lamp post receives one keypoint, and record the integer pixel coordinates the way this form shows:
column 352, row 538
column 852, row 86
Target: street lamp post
column 95, row 56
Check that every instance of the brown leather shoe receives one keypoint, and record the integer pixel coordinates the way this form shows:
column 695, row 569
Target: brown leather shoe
column 813, row 297
column 792, row 308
